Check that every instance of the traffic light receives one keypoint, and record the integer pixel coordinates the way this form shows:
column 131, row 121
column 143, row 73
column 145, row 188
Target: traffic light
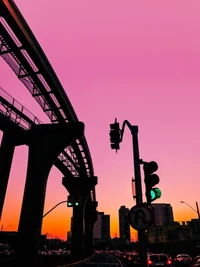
column 151, row 179
column 73, row 201
column 69, row 201
column 77, row 201
column 115, row 135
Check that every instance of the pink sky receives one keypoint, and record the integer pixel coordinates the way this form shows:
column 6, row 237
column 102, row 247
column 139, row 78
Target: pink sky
column 134, row 60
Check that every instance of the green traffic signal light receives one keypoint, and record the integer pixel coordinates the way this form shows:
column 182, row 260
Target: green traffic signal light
column 155, row 193
column 69, row 204
column 69, row 201
column 151, row 179
column 73, row 201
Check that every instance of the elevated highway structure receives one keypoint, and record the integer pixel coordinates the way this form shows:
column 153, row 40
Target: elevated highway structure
column 22, row 52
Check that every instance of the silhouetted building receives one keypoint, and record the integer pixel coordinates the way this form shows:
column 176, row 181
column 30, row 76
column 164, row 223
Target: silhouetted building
column 102, row 227
column 10, row 238
column 71, row 227
column 169, row 233
column 195, row 226
column 124, row 227
column 97, row 232
column 69, row 233
column 163, row 214
column 119, row 241
column 69, row 236
column 106, row 227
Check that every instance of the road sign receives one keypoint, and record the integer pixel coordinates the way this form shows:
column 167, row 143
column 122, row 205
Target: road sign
column 140, row 217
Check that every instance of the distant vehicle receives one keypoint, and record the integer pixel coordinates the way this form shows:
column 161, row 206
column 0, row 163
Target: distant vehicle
column 132, row 259
column 4, row 249
column 169, row 256
column 196, row 262
column 197, row 257
column 183, row 260
column 158, row 260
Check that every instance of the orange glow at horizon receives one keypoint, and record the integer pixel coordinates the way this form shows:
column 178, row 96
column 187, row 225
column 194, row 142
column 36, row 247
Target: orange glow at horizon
column 56, row 227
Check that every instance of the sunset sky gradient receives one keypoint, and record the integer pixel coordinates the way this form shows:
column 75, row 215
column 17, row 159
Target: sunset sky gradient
column 131, row 60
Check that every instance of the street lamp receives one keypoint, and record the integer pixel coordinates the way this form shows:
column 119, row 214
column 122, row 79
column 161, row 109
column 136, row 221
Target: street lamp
column 6, row 227
column 197, row 208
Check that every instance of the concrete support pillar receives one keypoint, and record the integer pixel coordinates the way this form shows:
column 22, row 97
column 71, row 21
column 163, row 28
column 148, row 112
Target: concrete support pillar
column 45, row 144
column 77, row 232
column 6, row 156
column 79, row 186
column 10, row 139
column 90, row 219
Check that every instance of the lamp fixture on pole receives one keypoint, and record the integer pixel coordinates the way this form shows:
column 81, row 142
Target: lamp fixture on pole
column 197, row 208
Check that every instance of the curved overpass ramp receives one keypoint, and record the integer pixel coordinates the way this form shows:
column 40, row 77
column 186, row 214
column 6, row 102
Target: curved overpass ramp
column 22, row 52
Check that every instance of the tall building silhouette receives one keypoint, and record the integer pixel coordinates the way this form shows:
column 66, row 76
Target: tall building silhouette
column 163, row 214
column 102, row 226
column 124, row 227
column 71, row 226
column 106, row 227
column 69, row 233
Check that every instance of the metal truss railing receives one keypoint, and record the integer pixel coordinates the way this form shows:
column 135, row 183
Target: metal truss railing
column 12, row 109
column 27, row 80
column 21, row 116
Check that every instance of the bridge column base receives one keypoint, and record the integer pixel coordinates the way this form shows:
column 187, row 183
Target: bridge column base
column 81, row 187
column 45, row 144
column 90, row 219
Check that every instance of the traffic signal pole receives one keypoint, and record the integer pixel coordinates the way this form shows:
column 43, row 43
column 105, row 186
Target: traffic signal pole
column 138, row 188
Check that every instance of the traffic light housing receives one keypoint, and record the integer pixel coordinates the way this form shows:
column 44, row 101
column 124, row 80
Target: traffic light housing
column 77, row 201
column 73, row 201
column 115, row 135
column 69, row 201
column 151, row 179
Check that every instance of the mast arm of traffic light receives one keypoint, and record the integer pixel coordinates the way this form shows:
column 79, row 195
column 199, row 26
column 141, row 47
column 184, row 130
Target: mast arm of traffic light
column 123, row 127
column 54, row 208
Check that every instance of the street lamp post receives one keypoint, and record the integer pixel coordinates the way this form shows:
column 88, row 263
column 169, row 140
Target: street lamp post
column 6, row 227
column 197, row 211
column 197, row 208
